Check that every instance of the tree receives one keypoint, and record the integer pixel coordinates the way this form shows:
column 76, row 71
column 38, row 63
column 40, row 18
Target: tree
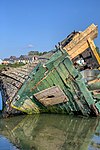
column 31, row 53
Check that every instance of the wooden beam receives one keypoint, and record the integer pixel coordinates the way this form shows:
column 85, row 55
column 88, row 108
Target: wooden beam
column 79, row 43
column 93, row 48
column 79, row 49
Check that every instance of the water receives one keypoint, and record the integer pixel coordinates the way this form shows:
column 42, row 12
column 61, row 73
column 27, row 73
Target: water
column 49, row 132
column 5, row 144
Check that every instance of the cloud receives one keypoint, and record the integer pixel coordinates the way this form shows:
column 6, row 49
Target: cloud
column 30, row 46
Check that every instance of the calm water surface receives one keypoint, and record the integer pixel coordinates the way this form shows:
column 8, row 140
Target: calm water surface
column 49, row 132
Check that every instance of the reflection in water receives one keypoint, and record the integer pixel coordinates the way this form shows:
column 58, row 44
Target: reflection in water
column 52, row 132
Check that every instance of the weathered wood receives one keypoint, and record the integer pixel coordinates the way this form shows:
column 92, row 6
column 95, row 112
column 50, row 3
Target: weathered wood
column 81, row 41
column 93, row 48
column 51, row 96
column 11, row 81
column 90, row 32
column 78, row 49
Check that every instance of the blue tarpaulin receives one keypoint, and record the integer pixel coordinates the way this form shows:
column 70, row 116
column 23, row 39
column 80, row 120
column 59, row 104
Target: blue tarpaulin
column 0, row 101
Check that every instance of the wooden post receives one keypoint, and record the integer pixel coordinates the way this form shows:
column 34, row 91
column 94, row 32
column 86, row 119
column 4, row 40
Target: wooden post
column 93, row 48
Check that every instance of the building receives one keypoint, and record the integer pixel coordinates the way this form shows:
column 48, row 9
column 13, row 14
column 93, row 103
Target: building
column 27, row 59
column 11, row 60
column 0, row 61
column 22, row 59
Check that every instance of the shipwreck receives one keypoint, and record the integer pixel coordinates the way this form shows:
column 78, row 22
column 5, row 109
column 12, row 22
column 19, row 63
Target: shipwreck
column 69, row 82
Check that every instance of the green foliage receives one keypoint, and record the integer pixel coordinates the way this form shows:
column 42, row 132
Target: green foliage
column 16, row 65
column 2, row 67
column 11, row 65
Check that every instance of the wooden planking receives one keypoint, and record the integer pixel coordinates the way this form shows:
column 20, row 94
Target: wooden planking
column 59, row 81
column 90, row 32
column 11, row 75
column 26, row 106
column 18, row 74
column 78, row 49
column 51, row 96
column 62, row 72
column 80, row 40
column 12, row 80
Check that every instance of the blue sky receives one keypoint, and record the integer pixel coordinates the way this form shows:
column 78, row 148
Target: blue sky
column 40, row 24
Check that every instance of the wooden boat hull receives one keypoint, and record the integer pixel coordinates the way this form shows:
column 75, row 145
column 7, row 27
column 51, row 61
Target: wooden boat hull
column 56, row 87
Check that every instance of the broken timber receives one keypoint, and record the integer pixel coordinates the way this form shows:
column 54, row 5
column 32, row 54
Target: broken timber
column 81, row 44
column 11, row 80
column 51, row 96
column 57, row 86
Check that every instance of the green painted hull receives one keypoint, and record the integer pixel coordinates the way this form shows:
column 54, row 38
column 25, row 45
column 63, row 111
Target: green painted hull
column 60, row 72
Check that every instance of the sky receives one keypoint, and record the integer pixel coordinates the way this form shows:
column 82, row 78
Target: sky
column 40, row 24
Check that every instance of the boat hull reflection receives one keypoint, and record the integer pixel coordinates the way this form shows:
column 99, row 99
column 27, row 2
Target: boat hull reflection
column 48, row 132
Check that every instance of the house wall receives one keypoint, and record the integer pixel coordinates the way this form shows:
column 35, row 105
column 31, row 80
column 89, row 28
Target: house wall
column 0, row 61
